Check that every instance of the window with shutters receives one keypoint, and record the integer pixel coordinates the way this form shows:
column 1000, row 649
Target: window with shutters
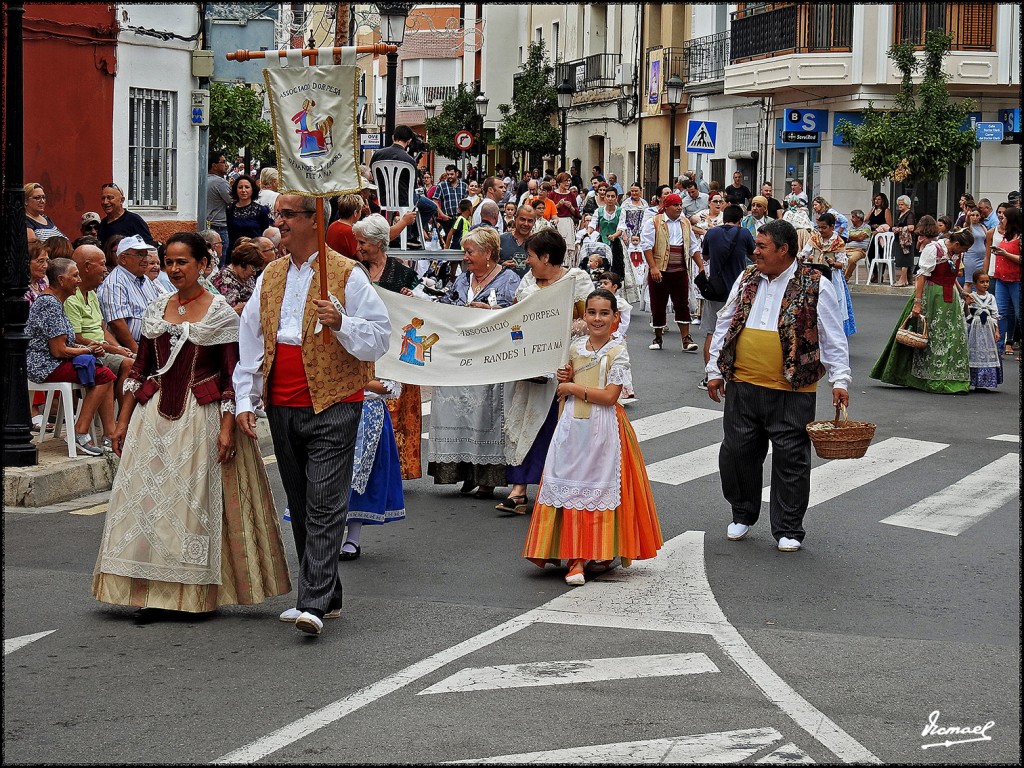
column 972, row 25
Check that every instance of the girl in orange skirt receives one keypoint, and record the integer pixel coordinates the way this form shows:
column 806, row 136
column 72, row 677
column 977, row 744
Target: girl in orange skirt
column 595, row 501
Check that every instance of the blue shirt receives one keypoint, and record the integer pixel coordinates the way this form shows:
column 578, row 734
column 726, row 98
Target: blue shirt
column 123, row 296
column 448, row 197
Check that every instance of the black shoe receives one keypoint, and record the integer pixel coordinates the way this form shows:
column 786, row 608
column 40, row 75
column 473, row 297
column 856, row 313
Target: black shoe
column 703, row 383
column 350, row 555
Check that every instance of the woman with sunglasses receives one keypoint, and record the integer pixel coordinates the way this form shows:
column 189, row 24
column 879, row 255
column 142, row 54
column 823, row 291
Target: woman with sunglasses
column 704, row 220
column 35, row 219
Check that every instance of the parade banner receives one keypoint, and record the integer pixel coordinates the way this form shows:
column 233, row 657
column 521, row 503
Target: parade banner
column 313, row 110
column 445, row 345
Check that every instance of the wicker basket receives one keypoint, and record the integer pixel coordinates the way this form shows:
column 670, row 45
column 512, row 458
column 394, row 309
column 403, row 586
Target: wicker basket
column 909, row 338
column 835, row 439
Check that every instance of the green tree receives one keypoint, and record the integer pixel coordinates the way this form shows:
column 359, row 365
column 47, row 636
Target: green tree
column 919, row 138
column 526, row 123
column 458, row 113
column 236, row 120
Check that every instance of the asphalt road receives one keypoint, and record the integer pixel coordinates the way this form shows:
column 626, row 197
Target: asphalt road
column 452, row 647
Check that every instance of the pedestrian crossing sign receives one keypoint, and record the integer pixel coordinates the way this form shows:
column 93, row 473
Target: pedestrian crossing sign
column 700, row 136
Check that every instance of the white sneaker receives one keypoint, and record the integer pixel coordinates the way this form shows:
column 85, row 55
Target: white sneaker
column 85, row 445
column 309, row 624
column 789, row 545
column 737, row 531
column 292, row 614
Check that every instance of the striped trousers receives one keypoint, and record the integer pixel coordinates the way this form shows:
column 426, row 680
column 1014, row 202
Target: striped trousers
column 754, row 416
column 315, row 452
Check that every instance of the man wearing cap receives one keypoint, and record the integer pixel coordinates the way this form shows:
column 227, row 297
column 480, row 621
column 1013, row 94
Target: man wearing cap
column 118, row 219
column 90, row 224
column 1014, row 199
column 126, row 292
column 758, row 215
column 668, row 242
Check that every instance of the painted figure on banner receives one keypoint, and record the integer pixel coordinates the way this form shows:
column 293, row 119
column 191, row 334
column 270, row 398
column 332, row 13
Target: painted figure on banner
column 312, row 141
column 414, row 346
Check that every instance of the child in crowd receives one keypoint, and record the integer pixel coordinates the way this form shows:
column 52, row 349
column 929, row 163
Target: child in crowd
column 983, row 336
column 597, row 265
column 635, row 256
column 593, row 506
column 461, row 225
column 376, row 497
column 611, row 282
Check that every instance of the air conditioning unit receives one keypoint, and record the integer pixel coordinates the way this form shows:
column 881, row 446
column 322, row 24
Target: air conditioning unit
column 624, row 74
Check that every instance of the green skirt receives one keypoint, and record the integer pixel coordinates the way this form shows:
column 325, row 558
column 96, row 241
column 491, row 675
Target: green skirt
column 941, row 367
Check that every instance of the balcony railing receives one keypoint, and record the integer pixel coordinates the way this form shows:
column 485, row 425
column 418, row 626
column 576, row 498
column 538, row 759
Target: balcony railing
column 597, row 71
column 418, row 95
column 971, row 25
column 772, row 31
column 701, row 60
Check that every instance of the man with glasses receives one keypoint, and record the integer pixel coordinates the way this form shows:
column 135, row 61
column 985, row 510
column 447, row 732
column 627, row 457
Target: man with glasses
column 126, row 292
column 118, row 219
column 312, row 382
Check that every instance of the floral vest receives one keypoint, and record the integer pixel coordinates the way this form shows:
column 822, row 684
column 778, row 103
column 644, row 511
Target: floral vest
column 332, row 372
column 798, row 327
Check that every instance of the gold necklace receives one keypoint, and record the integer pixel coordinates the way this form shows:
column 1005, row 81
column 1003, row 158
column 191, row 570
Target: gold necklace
column 487, row 278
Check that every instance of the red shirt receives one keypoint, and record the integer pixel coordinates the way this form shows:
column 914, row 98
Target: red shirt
column 1006, row 270
column 341, row 239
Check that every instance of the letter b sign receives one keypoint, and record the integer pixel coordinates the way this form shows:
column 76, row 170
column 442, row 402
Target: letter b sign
column 807, row 120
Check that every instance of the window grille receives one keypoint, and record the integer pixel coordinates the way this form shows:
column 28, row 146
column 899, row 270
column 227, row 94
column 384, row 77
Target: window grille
column 152, row 148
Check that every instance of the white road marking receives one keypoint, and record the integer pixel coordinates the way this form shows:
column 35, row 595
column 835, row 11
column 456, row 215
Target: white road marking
column 20, row 642
column 271, row 459
column 572, row 672
column 650, row 427
column 957, row 507
column 90, row 510
column 668, row 593
column 677, row 470
column 842, row 476
column 1006, row 438
column 426, row 408
column 724, row 747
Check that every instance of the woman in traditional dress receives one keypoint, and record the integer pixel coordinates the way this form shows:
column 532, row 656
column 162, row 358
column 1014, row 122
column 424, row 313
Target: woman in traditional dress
column 797, row 216
column 376, row 497
column 941, row 366
column 826, row 247
column 595, row 501
column 467, row 443
column 372, row 236
column 533, row 407
column 983, row 335
column 191, row 523
column 567, row 209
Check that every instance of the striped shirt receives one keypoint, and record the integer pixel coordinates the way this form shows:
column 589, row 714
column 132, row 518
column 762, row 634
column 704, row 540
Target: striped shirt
column 123, row 296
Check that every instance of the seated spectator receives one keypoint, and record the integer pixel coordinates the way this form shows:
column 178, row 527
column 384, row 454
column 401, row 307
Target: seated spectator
column 125, row 293
column 109, row 247
column 119, row 220
column 59, row 247
column 38, row 261
column 90, row 224
column 860, row 237
column 85, row 240
column 155, row 271
column 821, row 205
column 53, row 354
column 35, row 218
column 237, row 280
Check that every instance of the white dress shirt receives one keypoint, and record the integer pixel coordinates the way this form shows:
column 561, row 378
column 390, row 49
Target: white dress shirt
column 764, row 316
column 365, row 327
column 675, row 235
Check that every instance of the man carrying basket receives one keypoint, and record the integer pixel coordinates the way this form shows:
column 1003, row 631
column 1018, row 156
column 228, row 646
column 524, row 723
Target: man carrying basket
column 781, row 329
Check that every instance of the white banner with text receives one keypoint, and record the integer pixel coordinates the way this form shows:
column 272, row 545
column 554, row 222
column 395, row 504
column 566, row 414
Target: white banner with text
column 445, row 345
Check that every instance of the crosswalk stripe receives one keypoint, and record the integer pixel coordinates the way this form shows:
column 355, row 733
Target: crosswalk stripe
column 542, row 673
column 1006, row 438
column 957, row 507
column 677, row 470
column 660, row 424
column 838, row 477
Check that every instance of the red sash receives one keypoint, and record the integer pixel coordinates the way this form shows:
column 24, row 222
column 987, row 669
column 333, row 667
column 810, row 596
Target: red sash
column 288, row 385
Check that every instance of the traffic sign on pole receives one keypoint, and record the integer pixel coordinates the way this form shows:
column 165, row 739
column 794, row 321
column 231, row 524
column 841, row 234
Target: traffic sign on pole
column 700, row 136
column 464, row 141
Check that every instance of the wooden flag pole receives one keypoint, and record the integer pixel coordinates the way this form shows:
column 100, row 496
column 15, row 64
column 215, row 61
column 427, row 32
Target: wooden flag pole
column 321, row 229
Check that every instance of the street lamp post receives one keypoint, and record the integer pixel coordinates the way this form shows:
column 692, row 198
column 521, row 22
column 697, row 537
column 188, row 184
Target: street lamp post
column 674, row 96
column 381, row 122
column 429, row 110
column 481, row 110
column 392, row 32
column 565, row 92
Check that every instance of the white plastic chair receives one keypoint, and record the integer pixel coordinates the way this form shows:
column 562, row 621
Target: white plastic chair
column 388, row 176
column 881, row 255
column 67, row 413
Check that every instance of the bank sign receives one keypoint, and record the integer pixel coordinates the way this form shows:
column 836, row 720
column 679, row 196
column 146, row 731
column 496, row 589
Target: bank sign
column 800, row 128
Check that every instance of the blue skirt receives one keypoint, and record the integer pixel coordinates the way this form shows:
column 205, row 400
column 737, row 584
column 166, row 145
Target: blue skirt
column 530, row 471
column 849, row 324
column 383, row 500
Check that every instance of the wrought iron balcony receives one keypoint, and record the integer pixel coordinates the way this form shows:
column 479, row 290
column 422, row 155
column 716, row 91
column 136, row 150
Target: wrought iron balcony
column 596, row 71
column 418, row 95
column 409, row 96
column 696, row 62
column 773, row 31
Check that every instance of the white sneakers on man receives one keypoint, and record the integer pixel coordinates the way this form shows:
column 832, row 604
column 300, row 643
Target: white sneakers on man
column 737, row 531
column 292, row 615
column 789, row 545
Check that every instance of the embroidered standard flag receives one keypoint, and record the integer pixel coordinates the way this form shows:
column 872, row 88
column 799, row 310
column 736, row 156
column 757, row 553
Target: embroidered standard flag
column 313, row 109
column 441, row 344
